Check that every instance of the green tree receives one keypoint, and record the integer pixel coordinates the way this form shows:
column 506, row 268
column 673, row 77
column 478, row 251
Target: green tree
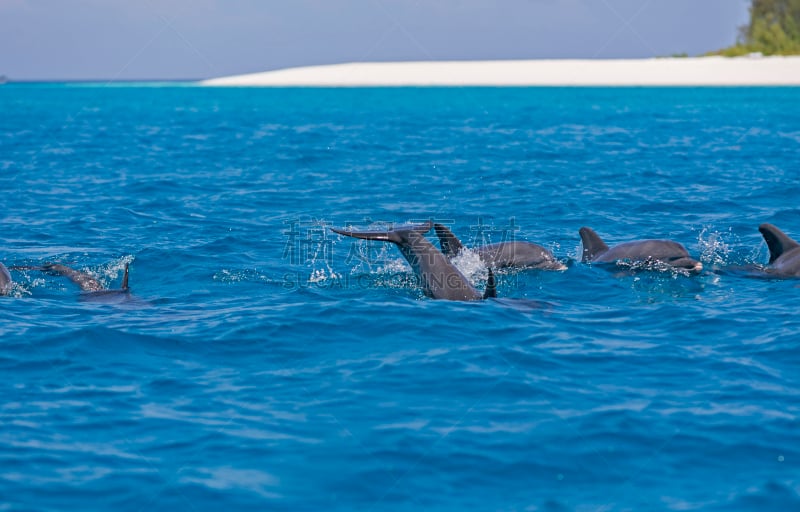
column 774, row 29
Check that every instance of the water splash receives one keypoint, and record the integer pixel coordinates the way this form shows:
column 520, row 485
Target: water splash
column 713, row 247
column 471, row 265
column 113, row 270
column 19, row 290
column 240, row 276
column 319, row 276
column 395, row 266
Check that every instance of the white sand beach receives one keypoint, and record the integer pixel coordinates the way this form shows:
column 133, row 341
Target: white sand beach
column 696, row 71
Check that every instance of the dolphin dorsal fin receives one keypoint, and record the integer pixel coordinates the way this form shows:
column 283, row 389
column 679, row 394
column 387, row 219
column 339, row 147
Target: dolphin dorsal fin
column 125, row 278
column 777, row 241
column 449, row 242
column 491, row 287
column 592, row 244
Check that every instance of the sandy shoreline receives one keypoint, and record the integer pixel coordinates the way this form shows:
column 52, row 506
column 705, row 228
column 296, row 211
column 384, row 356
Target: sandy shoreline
column 699, row 71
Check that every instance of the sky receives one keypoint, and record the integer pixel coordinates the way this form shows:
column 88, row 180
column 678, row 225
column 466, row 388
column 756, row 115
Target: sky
column 190, row 39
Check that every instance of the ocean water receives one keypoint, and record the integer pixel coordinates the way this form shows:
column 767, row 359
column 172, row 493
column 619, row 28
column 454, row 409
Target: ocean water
column 264, row 363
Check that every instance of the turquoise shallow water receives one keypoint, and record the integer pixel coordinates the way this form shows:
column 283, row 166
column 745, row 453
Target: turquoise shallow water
column 263, row 363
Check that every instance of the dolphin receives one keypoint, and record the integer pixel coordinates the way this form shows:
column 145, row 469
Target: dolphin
column 92, row 288
column 662, row 251
column 502, row 254
column 440, row 279
column 784, row 253
column 5, row 280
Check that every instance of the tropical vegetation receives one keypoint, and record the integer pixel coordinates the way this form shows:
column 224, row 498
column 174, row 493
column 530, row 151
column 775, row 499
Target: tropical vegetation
column 774, row 29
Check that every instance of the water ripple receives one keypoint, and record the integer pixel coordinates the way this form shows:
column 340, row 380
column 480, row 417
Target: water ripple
column 262, row 361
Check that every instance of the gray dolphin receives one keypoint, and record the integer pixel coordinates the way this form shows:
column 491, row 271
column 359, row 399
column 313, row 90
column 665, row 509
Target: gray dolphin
column 502, row 254
column 784, row 253
column 92, row 288
column 439, row 278
column 663, row 251
column 5, row 280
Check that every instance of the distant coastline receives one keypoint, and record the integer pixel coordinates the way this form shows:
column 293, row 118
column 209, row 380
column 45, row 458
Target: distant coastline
column 694, row 71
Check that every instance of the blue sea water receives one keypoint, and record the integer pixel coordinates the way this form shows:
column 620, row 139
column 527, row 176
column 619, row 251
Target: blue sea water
column 262, row 362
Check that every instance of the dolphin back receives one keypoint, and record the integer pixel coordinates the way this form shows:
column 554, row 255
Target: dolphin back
column 593, row 245
column 643, row 250
column 502, row 254
column 5, row 280
column 777, row 241
column 518, row 254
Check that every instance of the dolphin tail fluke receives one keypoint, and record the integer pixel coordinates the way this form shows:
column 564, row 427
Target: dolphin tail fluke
column 392, row 235
column 592, row 244
column 491, row 287
column 383, row 236
column 449, row 242
column 125, row 278
column 777, row 241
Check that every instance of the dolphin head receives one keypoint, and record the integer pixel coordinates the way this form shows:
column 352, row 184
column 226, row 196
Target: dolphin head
column 685, row 263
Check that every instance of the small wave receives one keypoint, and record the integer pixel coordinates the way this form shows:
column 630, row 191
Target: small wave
column 228, row 478
column 662, row 268
column 414, row 425
column 771, row 496
column 63, row 445
column 87, row 389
